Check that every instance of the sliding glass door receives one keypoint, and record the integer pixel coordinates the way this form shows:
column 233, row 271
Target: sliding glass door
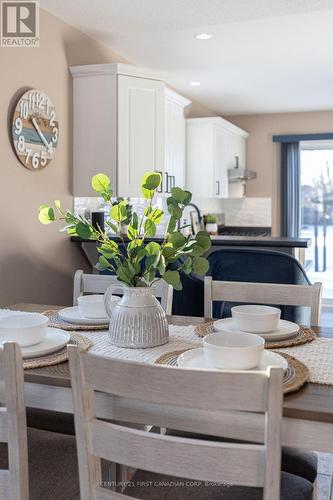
column 316, row 169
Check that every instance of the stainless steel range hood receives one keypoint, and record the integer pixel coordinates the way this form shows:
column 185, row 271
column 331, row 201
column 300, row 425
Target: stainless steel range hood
column 239, row 174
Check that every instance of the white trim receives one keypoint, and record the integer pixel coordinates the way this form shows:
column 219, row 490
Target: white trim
column 178, row 98
column 221, row 122
column 113, row 69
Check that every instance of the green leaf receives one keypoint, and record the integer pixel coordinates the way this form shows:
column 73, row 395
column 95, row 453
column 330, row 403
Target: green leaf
column 173, row 208
column 148, row 210
column 150, row 182
column 161, row 265
column 100, row 183
column 197, row 250
column 57, row 204
column 178, row 194
column 150, row 276
column 109, row 250
column 172, row 278
column 46, row 215
column 150, row 228
column 135, row 221
column 200, row 266
column 83, row 230
column 187, row 266
column 103, row 262
column 203, row 239
column 168, row 250
column 156, row 215
column 131, row 233
column 176, row 239
column 119, row 211
column 172, row 224
column 70, row 217
column 112, row 226
column 188, row 198
column 124, row 274
column 140, row 254
column 152, row 248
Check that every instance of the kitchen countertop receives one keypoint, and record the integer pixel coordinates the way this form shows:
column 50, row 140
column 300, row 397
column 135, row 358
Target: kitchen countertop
column 246, row 241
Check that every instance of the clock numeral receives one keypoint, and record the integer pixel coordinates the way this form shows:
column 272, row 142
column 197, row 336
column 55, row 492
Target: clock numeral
column 43, row 158
column 24, row 109
column 47, row 106
column 32, row 101
column 18, row 125
column 21, row 144
column 35, row 160
column 28, row 151
column 55, row 131
column 52, row 118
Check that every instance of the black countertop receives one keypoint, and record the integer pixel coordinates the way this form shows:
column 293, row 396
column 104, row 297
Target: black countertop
column 246, row 241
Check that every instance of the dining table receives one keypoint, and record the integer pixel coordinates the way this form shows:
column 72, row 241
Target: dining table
column 307, row 413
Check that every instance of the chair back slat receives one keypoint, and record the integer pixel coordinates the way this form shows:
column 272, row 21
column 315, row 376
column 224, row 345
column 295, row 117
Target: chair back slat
column 98, row 283
column 243, row 425
column 210, row 460
column 173, row 391
column 263, row 293
column 169, row 385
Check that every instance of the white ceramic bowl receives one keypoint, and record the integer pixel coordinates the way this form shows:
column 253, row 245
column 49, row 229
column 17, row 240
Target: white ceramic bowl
column 92, row 306
column 233, row 351
column 256, row 319
column 25, row 329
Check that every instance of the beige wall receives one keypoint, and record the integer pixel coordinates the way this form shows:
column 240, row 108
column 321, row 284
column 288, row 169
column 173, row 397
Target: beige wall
column 263, row 154
column 36, row 262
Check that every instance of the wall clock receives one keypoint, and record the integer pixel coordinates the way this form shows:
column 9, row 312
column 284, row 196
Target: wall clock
column 35, row 130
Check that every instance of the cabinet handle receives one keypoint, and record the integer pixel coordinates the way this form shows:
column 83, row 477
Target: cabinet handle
column 218, row 188
column 173, row 182
column 160, row 187
column 167, row 177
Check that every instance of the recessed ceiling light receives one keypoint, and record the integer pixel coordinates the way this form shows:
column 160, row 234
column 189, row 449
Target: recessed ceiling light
column 203, row 36
column 194, row 84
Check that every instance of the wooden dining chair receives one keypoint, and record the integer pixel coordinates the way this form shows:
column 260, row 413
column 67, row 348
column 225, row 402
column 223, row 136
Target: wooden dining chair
column 14, row 483
column 98, row 283
column 263, row 293
column 162, row 396
column 34, row 464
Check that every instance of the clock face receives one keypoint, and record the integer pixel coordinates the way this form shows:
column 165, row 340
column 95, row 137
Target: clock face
column 35, row 130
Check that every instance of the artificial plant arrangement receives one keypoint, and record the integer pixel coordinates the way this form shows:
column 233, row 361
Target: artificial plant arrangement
column 136, row 262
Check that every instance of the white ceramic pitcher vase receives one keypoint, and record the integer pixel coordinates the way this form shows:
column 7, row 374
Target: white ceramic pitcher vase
column 138, row 319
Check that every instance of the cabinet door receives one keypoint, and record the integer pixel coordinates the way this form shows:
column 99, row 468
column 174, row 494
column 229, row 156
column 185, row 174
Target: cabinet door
column 174, row 145
column 200, row 158
column 220, row 162
column 140, row 131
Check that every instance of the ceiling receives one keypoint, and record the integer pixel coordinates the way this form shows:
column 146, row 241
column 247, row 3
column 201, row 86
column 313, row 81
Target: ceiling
column 264, row 55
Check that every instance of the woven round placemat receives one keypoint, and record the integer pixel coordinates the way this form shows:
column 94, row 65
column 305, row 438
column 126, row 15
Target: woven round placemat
column 294, row 377
column 59, row 356
column 303, row 336
column 57, row 322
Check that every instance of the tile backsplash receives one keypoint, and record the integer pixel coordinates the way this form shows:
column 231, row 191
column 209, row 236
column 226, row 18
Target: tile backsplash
column 238, row 211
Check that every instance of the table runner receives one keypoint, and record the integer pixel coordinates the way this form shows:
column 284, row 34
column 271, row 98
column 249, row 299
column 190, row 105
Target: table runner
column 317, row 355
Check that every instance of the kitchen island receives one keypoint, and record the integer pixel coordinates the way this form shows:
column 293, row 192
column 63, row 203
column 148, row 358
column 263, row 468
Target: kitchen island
column 291, row 246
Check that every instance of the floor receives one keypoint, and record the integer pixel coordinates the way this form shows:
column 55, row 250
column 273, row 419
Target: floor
column 325, row 469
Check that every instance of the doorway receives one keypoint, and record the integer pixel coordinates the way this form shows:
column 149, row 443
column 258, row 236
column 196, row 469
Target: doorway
column 316, row 173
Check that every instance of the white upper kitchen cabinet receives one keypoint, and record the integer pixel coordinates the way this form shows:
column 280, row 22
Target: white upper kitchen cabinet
column 212, row 147
column 118, row 126
column 175, row 136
